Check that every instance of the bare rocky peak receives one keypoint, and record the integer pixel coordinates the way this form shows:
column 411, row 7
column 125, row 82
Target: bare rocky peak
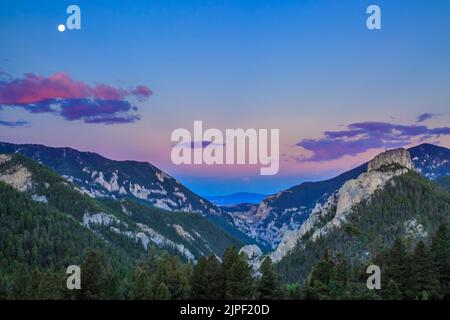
column 251, row 251
column 398, row 156
column 18, row 176
column 339, row 205
column 254, row 256
column 4, row 158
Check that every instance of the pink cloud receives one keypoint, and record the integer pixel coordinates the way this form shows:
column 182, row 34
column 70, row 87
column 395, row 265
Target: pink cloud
column 72, row 99
column 142, row 92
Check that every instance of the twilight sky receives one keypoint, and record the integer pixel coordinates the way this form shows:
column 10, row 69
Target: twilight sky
column 137, row 70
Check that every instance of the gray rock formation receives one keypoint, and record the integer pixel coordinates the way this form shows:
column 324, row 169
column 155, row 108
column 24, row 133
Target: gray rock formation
column 396, row 156
column 254, row 257
column 333, row 213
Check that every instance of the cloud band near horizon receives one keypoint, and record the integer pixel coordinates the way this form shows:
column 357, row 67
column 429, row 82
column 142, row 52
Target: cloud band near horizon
column 362, row 136
column 71, row 99
column 13, row 124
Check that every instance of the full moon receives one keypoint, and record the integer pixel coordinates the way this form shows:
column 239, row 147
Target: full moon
column 61, row 28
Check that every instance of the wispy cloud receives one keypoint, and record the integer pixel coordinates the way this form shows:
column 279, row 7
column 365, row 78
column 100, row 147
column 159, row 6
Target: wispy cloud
column 362, row 136
column 13, row 124
column 73, row 100
column 425, row 116
column 198, row 144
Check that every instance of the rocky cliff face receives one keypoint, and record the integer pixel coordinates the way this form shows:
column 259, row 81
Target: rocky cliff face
column 399, row 157
column 333, row 213
column 288, row 209
column 17, row 177
column 254, row 256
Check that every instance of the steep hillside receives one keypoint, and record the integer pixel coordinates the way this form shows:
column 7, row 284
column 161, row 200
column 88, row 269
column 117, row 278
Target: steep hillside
column 100, row 178
column 288, row 209
column 444, row 182
column 121, row 223
column 37, row 235
column 363, row 216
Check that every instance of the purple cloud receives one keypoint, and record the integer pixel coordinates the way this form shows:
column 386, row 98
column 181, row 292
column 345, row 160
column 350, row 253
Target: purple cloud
column 13, row 124
column 113, row 119
column 425, row 116
column 76, row 109
column 194, row 144
column 362, row 136
column 73, row 100
column 197, row 144
column 141, row 92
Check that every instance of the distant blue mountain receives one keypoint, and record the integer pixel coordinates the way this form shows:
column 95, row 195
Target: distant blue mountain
column 236, row 198
column 432, row 161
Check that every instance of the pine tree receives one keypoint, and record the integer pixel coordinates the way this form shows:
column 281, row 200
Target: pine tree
column 215, row 278
column 424, row 278
column 199, row 280
column 142, row 288
column 239, row 280
column 342, row 274
column 440, row 251
column 397, row 266
column 35, row 280
column 95, row 274
column 3, row 290
column 293, row 291
column 162, row 292
column 113, row 288
column 268, row 287
column 324, row 269
column 170, row 273
column 207, row 279
column 20, row 280
column 152, row 260
column 316, row 290
column 322, row 281
column 392, row 291
column 52, row 287
column 230, row 256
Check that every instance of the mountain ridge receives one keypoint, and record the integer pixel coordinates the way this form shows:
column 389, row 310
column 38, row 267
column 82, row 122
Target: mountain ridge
column 263, row 224
column 289, row 208
column 188, row 235
column 380, row 170
column 100, row 177
column 409, row 207
column 83, row 168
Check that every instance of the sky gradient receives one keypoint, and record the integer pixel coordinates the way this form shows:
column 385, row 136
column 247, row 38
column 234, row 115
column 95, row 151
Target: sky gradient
column 137, row 70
